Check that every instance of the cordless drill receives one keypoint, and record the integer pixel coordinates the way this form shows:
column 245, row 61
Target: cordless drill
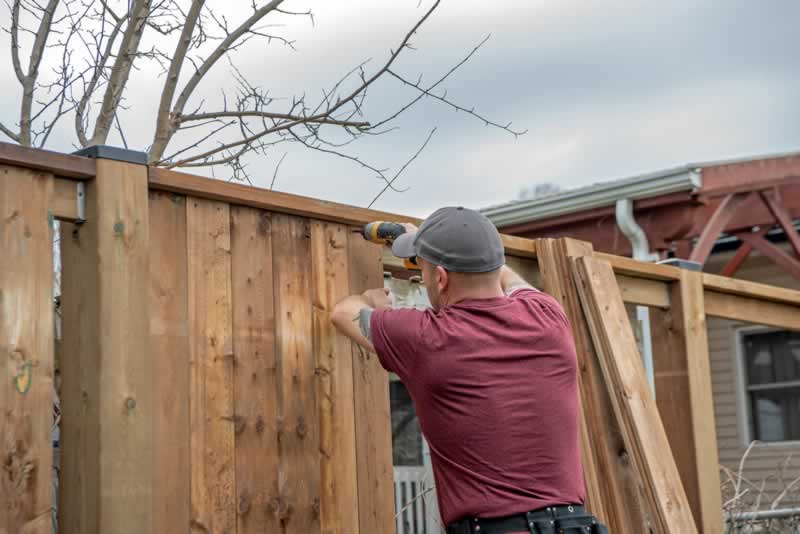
column 384, row 233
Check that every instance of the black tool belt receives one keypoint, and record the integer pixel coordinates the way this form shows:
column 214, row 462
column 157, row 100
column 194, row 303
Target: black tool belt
column 566, row 519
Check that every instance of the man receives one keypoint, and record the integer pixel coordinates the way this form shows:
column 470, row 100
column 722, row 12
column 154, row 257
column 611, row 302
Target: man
column 492, row 371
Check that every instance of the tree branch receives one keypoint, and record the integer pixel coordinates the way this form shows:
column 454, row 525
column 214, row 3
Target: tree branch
column 99, row 66
column 120, row 72
column 389, row 63
column 15, row 41
column 222, row 48
column 269, row 115
column 165, row 125
column 9, row 133
column 28, row 80
column 443, row 98
column 432, row 87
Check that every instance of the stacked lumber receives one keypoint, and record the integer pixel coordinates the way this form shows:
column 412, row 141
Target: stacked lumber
column 634, row 406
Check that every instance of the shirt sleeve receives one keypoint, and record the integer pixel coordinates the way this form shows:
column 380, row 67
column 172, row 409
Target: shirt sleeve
column 396, row 335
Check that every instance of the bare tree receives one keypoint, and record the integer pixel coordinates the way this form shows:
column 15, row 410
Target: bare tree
column 101, row 42
column 540, row 190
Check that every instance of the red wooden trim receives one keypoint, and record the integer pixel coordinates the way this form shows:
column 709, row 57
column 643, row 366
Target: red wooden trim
column 715, row 226
column 748, row 187
column 778, row 210
column 733, row 265
column 776, row 254
column 741, row 254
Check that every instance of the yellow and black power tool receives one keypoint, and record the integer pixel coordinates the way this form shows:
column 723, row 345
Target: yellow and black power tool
column 384, row 233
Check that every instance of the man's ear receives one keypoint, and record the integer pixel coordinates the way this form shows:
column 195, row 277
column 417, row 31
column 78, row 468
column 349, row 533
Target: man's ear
column 442, row 278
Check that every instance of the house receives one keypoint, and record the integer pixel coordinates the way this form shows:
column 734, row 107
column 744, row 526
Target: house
column 737, row 218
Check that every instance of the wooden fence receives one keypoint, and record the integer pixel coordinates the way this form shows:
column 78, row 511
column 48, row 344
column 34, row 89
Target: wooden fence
column 204, row 389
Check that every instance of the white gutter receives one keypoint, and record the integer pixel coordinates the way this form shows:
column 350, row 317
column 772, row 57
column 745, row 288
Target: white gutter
column 596, row 196
column 641, row 251
column 631, row 229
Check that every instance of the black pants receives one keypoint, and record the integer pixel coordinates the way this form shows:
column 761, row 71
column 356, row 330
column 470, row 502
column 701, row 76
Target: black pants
column 566, row 519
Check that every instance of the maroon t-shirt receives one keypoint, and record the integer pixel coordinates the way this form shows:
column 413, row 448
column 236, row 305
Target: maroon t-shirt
column 494, row 384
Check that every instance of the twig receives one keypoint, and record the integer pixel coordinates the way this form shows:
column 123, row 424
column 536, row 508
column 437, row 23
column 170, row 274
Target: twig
column 472, row 112
column 432, row 87
column 275, row 174
column 407, row 163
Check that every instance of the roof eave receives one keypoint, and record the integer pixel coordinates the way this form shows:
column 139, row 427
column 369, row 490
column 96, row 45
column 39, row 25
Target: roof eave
column 647, row 186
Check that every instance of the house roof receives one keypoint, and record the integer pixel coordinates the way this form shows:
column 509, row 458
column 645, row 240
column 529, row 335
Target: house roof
column 686, row 178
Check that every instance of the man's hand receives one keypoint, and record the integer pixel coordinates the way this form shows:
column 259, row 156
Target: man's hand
column 378, row 298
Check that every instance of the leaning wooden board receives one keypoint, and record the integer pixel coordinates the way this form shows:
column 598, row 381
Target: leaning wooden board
column 612, row 491
column 632, row 400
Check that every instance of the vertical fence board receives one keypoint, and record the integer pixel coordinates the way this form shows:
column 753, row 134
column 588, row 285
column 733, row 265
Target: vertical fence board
column 26, row 351
column 334, row 363
column 213, row 497
column 299, row 503
column 683, row 396
column 78, row 499
column 255, row 371
column 169, row 345
column 372, row 412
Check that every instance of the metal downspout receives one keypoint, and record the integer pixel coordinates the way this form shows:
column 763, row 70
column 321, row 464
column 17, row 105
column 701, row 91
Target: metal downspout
column 641, row 251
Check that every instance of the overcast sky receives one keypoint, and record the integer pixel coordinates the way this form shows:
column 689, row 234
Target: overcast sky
column 606, row 89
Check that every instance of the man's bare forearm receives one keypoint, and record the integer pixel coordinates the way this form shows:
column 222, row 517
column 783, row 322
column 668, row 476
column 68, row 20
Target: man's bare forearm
column 346, row 317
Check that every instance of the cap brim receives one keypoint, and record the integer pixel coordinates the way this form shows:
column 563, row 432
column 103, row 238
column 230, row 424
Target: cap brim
column 403, row 246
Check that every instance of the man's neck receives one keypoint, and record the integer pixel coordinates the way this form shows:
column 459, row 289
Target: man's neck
column 481, row 293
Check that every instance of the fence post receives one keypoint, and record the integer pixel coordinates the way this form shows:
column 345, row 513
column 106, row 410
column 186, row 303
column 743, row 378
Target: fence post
column 26, row 350
column 684, row 396
column 106, row 478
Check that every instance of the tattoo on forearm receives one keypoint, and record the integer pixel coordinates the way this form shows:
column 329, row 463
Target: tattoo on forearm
column 364, row 322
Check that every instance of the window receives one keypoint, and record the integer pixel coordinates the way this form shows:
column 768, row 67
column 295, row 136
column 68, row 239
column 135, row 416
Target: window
column 772, row 381
column 406, row 435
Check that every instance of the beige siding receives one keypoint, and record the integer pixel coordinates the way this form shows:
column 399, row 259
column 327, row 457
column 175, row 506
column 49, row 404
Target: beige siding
column 773, row 465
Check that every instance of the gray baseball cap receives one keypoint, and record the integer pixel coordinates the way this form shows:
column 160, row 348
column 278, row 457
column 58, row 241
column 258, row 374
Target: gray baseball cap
column 459, row 239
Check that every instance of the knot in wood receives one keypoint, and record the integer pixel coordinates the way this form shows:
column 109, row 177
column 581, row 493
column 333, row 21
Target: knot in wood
column 259, row 425
column 315, row 508
column 239, row 424
column 301, row 427
column 244, row 503
column 281, row 508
